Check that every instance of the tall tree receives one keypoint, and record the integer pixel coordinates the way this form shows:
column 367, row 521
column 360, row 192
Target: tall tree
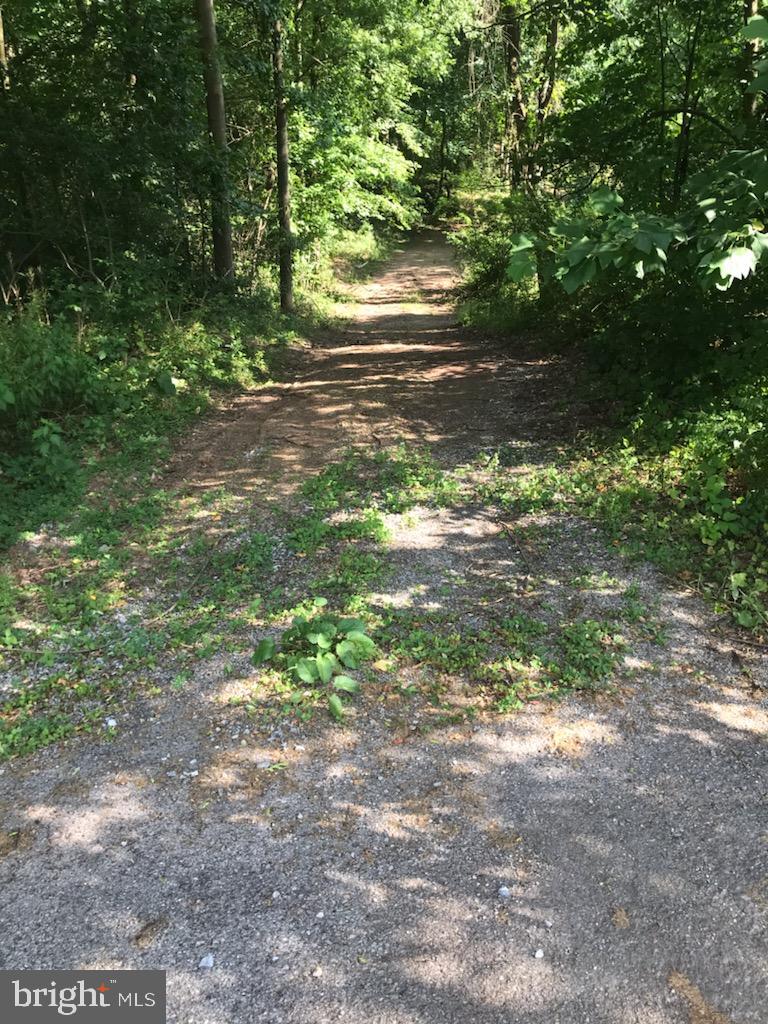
column 515, row 112
column 750, row 51
column 283, row 172
column 4, row 81
column 223, row 255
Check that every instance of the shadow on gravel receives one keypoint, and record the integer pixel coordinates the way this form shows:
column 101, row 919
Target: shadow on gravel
column 362, row 882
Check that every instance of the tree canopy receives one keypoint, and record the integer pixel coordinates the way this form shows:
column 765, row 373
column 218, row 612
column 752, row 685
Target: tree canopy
column 173, row 174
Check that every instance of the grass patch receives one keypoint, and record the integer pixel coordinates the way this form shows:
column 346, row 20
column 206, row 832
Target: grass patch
column 664, row 508
column 137, row 587
column 512, row 660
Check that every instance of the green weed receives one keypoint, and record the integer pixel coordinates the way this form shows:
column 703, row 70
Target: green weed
column 316, row 652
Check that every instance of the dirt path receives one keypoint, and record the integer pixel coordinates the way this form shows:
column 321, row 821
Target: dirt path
column 601, row 859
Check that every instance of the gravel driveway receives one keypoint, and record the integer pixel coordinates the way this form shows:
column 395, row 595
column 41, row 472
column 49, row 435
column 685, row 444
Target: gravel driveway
column 602, row 860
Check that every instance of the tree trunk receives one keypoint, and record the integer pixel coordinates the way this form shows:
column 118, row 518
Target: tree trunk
column 283, row 173
column 5, row 82
column 443, row 153
column 751, row 49
column 547, row 87
column 661, row 28
column 223, row 256
column 690, row 102
column 544, row 95
column 515, row 111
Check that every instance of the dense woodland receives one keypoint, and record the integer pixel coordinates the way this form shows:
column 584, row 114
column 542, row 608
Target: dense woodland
column 179, row 184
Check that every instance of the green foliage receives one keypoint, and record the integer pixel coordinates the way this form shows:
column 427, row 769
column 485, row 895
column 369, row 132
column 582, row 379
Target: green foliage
column 517, row 659
column 522, row 258
column 107, row 131
column 446, row 651
column 312, row 532
column 406, row 477
column 27, row 733
column 683, row 505
column 364, row 486
column 718, row 240
column 115, row 331
column 355, row 571
column 317, row 651
column 590, row 652
column 639, row 232
column 85, row 394
column 8, row 600
column 583, row 655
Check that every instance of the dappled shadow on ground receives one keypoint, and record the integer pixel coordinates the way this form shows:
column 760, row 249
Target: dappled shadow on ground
column 361, row 879
column 353, row 874
column 398, row 370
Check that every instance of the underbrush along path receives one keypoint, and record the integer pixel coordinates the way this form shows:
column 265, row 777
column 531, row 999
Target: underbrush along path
column 540, row 798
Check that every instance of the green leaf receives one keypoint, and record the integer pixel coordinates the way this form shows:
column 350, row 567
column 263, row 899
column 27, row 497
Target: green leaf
column 362, row 642
column 603, row 200
column 577, row 276
column 746, row 618
column 579, row 251
column 522, row 258
column 756, row 28
column 520, row 243
column 320, row 639
column 7, row 397
column 326, row 663
column 661, row 237
column 347, row 653
column 351, row 626
column 759, row 84
column 739, row 262
column 265, row 651
column 306, row 669
column 347, row 684
column 521, row 266
column 335, row 707
column 164, row 383
column 606, row 253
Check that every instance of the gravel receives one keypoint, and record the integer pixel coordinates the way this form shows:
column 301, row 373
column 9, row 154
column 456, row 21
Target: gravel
column 601, row 859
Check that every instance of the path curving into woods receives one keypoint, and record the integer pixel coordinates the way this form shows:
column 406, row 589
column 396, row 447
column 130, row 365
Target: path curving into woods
column 353, row 874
